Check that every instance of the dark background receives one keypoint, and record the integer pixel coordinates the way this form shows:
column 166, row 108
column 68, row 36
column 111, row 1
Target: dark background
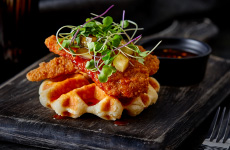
column 22, row 33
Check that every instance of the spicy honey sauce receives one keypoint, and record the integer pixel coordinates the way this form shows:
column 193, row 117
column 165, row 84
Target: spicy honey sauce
column 173, row 53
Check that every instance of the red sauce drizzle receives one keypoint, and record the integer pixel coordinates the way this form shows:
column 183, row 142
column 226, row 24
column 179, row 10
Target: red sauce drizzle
column 58, row 117
column 80, row 64
column 173, row 53
column 121, row 122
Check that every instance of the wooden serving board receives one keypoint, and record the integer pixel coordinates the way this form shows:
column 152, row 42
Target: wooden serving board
column 178, row 111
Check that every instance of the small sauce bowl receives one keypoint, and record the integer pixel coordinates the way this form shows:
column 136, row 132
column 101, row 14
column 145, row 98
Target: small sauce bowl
column 182, row 61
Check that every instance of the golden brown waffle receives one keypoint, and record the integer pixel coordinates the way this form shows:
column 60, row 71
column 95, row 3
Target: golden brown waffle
column 73, row 96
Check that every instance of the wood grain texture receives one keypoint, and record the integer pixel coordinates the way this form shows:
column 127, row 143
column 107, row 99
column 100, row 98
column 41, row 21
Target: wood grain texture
column 178, row 111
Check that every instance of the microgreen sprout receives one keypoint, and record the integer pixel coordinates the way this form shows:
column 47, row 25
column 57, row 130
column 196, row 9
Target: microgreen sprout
column 123, row 19
column 89, row 21
column 103, row 40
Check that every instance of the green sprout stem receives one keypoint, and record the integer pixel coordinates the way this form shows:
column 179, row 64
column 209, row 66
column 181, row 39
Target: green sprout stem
column 108, row 44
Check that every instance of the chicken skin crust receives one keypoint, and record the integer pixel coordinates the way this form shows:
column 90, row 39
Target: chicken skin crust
column 151, row 61
column 130, row 83
column 56, row 67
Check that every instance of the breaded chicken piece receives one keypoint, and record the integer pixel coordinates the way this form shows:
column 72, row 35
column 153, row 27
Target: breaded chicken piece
column 56, row 67
column 130, row 83
column 151, row 61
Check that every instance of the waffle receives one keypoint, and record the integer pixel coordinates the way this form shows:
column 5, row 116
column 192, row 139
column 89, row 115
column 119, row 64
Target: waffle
column 74, row 95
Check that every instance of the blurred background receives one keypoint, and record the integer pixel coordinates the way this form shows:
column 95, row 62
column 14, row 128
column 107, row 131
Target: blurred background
column 24, row 24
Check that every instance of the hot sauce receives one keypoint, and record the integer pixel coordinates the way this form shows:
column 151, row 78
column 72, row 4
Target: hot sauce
column 121, row 122
column 58, row 117
column 173, row 53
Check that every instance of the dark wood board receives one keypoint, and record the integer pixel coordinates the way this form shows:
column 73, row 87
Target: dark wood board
column 178, row 111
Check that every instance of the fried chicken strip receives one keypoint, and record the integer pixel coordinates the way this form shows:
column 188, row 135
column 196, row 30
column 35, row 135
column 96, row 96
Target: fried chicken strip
column 151, row 61
column 130, row 83
column 56, row 67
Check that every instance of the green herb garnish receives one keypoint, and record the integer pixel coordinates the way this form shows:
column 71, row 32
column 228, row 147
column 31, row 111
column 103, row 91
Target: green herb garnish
column 106, row 72
column 109, row 37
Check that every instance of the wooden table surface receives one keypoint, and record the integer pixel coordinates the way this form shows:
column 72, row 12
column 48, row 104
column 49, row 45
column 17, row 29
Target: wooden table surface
column 178, row 111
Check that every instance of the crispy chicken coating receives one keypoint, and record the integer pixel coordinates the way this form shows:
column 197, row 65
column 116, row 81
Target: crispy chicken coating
column 151, row 61
column 130, row 83
column 56, row 67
